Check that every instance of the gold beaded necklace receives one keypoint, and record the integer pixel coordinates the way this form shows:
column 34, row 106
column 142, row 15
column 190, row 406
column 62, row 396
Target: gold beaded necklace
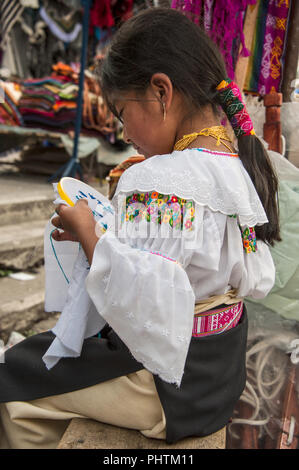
column 218, row 132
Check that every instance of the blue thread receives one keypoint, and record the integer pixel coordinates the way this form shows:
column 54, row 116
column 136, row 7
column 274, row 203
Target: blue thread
column 54, row 251
column 108, row 209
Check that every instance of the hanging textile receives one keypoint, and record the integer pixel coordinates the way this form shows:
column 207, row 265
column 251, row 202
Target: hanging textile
column 9, row 98
column 223, row 20
column 10, row 12
column 106, row 14
column 265, row 69
column 63, row 31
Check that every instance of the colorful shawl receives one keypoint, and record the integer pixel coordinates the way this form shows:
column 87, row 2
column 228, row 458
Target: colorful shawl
column 264, row 73
column 223, row 21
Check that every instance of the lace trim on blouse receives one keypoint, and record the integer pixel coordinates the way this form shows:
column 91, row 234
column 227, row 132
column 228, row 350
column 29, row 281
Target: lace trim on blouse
column 210, row 179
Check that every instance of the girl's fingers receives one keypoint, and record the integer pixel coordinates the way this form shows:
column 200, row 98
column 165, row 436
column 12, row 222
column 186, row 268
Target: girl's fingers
column 82, row 201
column 67, row 219
column 59, row 208
column 56, row 222
column 63, row 236
column 56, row 235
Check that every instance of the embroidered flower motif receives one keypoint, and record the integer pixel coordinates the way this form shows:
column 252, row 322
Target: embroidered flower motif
column 160, row 208
column 249, row 240
column 176, row 207
column 177, row 224
column 148, row 325
column 188, row 224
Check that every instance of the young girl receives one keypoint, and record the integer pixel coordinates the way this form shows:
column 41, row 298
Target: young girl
column 194, row 221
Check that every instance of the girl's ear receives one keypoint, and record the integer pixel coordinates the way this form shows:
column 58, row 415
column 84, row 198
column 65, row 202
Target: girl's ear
column 163, row 89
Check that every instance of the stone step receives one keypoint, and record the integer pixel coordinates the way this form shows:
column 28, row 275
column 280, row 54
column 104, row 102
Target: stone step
column 85, row 433
column 25, row 211
column 22, row 306
column 22, row 244
column 24, row 198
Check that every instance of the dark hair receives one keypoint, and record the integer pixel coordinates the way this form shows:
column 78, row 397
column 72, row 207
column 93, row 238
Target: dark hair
column 165, row 40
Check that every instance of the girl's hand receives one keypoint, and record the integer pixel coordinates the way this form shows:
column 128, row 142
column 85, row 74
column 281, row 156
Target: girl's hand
column 78, row 224
column 74, row 221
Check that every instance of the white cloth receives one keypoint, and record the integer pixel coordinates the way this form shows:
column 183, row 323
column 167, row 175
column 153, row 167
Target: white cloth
column 66, row 269
column 145, row 277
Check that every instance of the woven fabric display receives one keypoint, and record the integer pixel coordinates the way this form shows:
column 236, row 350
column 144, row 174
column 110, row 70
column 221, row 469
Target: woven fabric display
column 223, row 21
column 265, row 69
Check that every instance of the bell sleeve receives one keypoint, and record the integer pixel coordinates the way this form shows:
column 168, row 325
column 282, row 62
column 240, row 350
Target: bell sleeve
column 146, row 297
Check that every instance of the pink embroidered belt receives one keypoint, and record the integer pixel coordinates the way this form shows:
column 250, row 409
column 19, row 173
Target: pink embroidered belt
column 217, row 320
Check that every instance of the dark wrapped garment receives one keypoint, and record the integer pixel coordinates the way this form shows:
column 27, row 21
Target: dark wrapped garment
column 214, row 377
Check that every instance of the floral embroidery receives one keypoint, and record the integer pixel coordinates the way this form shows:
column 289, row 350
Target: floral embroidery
column 160, row 208
column 249, row 240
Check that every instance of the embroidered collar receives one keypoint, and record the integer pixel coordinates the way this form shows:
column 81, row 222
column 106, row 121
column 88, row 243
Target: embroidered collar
column 222, row 184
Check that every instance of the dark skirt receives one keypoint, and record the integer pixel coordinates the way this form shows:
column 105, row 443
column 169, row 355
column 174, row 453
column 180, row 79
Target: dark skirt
column 214, row 377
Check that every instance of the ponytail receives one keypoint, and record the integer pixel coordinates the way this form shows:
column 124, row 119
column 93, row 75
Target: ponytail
column 254, row 157
column 257, row 163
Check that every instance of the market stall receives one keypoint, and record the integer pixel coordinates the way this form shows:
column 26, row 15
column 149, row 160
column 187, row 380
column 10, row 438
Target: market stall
column 52, row 86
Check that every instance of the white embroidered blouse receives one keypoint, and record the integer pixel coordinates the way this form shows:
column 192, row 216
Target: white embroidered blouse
column 184, row 232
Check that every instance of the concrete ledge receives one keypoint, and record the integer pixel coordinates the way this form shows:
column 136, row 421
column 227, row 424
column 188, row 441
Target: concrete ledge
column 88, row 434
column 22, row 245
column 25, row 210
column 22, row 306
